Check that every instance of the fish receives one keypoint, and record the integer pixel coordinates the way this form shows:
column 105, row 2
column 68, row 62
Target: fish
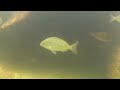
column 14, row 18
column 55, row 44
column 101, row 36
column 114, row 18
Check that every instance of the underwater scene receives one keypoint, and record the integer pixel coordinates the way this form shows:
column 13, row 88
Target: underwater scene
column 59, row 45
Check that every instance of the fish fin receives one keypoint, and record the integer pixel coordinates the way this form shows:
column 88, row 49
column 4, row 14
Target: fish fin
column 54, row 52
column 112, row 18
column 65, row 50
column 73, row 47
column 90, row 34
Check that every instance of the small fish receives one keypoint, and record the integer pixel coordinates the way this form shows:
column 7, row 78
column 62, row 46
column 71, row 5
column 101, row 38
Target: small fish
column 56, row 44
column 101, row 36
column 114, row 18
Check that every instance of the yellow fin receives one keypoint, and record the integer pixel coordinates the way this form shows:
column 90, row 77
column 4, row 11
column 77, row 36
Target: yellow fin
column 112, row 18
column 73, row 47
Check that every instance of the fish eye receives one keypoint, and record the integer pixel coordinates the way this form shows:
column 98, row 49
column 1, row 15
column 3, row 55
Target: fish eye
column 42, row 43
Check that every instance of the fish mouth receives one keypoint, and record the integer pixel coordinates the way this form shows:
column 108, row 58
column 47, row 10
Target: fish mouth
column 40, row 44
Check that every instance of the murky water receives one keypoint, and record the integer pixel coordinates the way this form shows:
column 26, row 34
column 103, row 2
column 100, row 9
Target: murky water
column 21, row 55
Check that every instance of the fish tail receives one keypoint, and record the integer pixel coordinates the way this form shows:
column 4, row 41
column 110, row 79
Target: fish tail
column 73, row 47
column 112, row 18
column 91, row 34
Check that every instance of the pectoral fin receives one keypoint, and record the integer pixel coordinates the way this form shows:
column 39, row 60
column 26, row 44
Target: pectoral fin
column 65, row 50
column 54, row 52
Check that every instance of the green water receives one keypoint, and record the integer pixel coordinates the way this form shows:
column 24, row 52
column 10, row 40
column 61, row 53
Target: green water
column 20, row 49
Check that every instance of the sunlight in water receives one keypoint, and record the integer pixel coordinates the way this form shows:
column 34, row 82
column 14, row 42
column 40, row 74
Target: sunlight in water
column 8, row 74
column 115, row 66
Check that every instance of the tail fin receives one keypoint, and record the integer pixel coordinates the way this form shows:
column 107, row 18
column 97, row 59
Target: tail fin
column 112, row 18
column 73, row 47
column 91, row 34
